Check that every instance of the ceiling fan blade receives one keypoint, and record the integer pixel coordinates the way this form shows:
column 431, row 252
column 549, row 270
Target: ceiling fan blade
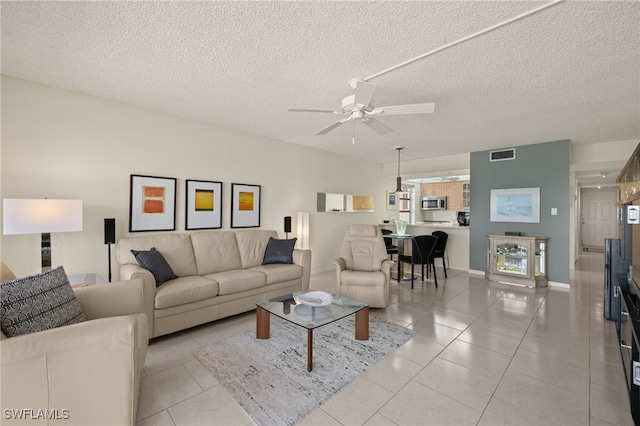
column 333, row 126
column 363, row 93
column 314, row 110
column 377, row 126
column 403, row 109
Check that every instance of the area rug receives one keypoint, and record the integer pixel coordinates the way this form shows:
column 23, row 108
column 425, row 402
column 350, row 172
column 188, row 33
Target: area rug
column 269, row 378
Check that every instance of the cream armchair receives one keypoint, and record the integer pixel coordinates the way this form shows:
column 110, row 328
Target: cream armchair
column 363, row 268
column 86, row 373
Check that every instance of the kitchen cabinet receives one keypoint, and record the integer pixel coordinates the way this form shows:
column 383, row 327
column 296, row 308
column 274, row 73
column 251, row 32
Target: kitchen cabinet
column 433, row 189
column 517, row 260
column 458, row 195
column 362, row 203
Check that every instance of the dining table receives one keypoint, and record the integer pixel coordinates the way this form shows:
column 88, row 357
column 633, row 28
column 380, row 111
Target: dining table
column 400, row 238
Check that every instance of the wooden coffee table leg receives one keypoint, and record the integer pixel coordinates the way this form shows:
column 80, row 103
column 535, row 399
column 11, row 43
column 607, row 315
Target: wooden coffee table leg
column 262, row 323
column 309, row 349
column 362, row 324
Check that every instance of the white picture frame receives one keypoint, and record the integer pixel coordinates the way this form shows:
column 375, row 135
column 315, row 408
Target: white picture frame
column 515, row 205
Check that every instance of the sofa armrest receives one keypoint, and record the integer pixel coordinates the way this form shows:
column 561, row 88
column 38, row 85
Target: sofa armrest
column 303, row 258
column 77, row 370
column 386, row 266
column 117, row 298
column 130, row 271
column 341, row 265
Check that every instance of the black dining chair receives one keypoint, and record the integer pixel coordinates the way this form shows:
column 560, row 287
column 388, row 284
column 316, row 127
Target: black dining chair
column 422, row 247
column 388, row 242
column 438, row 252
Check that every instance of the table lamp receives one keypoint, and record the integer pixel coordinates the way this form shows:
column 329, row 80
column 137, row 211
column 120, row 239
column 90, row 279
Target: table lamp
column 41, row 216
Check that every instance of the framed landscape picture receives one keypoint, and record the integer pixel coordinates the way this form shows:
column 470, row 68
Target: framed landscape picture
column 203, row 205
column 152, row 203
column 245, row 206
column 515, row 205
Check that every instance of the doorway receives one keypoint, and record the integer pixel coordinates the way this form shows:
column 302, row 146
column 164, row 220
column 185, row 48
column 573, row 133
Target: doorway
column 597, row 217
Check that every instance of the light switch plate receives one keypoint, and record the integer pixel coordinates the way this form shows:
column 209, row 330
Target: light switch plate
column 554, row 211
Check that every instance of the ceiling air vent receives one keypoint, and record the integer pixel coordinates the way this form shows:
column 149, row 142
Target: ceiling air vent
column 502, row 155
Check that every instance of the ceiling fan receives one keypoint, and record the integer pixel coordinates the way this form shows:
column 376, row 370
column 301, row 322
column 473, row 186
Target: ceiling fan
column 359, row 106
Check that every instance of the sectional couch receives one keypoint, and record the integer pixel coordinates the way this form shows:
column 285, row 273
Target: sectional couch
column 219, row 274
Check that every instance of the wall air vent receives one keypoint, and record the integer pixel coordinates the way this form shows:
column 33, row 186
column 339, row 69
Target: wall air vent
column 503, row 155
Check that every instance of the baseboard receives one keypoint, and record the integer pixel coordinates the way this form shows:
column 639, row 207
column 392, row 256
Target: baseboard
column 560, row 285
column 475, row 272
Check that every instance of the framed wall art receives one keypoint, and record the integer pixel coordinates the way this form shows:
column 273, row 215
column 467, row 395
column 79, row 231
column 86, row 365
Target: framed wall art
column 245, row 206
column 515, row 205
column 152, row 203
column 391, row 201
column 203, row 205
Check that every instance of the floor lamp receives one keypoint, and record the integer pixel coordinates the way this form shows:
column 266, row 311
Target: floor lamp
column 41, row 216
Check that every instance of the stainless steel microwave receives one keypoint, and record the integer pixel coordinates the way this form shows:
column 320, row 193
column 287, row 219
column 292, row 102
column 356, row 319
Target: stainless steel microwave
column 433, row 203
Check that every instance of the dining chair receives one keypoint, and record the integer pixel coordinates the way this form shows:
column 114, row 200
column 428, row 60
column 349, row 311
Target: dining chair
column 388, row 242
column 422, row 247
column 438, row 252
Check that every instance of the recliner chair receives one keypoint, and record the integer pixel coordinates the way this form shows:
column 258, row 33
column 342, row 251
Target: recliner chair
column 363, row 269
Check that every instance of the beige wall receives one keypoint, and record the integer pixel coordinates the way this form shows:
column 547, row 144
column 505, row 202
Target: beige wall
column 59, row 144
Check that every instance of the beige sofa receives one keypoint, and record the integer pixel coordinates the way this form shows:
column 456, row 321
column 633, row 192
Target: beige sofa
column 220, row 273
column 86, row 373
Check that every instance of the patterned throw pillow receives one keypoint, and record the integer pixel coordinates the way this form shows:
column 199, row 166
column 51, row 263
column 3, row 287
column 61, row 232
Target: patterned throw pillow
column 39, row 302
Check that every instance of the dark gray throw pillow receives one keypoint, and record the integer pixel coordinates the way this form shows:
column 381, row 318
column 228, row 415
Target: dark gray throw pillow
column 153, row 261
column 37, row 303
column 279, row 251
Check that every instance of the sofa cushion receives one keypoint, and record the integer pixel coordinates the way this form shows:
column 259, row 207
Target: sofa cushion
column 238, row 280
column 176, row 249
column 37, row 303
column 279, row 272
column 153, row 261
column 252, row 245
column 215, row 251
column 185, row 290
column 279, row 251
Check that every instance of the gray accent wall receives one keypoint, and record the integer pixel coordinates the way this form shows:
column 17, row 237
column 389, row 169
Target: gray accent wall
column 544, row 166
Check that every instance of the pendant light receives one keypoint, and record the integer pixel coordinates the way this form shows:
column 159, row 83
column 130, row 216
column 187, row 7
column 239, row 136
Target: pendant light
column 399, row 179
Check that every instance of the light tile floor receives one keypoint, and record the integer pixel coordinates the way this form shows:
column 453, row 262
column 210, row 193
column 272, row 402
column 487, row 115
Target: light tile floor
column 485, row 354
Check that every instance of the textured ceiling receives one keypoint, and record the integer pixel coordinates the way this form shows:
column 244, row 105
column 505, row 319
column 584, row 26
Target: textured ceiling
column 571, row 71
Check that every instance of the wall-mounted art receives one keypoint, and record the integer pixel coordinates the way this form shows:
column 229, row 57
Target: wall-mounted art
column 152, row 203
column 245, row 206
column 515, row 205
column 391, row 201
column 204, row 205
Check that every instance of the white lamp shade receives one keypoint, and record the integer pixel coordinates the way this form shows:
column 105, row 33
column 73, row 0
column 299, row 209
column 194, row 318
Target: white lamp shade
column 303, row 230
column 25, row 216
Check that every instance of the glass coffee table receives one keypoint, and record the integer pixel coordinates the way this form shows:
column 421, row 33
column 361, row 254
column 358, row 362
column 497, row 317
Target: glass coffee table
column 310, row 317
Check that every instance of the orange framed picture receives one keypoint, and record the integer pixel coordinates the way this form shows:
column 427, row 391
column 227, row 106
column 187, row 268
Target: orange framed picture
column 152, row 203
column 245, row 205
